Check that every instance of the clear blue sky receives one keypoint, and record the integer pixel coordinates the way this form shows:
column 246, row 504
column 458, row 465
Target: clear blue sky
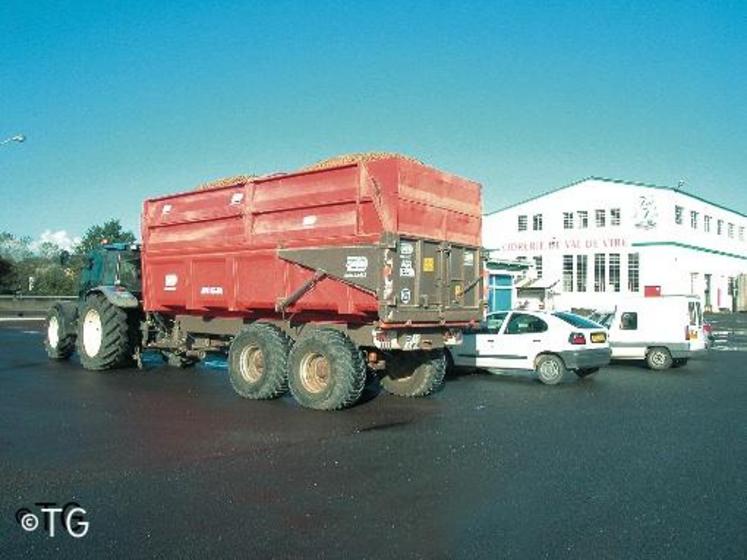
column 125, row 100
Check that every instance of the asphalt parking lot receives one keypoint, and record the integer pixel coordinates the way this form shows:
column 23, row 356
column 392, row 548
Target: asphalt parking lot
column 626, row 464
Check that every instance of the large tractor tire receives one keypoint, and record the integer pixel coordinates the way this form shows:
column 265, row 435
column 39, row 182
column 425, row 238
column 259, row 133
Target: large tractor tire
column 59, row 341
column 258, row 362
column 414, row 374
column 326, row 371
column 105, row 335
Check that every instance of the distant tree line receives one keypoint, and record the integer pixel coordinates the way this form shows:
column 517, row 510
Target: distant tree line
column 47, row 269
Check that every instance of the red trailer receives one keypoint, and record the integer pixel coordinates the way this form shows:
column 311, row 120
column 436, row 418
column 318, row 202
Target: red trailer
column 308, row 280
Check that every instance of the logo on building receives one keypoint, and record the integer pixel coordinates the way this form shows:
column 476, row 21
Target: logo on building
column 646, row 213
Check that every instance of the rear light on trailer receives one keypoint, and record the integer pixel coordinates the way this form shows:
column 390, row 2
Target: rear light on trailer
column 577, row 338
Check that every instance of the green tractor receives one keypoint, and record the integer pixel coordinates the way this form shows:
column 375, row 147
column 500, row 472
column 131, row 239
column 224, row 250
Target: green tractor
column 103, row 324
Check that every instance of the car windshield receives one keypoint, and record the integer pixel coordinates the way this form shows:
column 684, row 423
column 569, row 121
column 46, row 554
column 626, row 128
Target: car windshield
column 576, row 320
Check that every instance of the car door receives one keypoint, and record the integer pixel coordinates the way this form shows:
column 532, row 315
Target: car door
column 477, row 349
column 519, row 341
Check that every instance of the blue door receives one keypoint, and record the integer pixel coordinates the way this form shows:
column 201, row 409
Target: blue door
column 500, row 292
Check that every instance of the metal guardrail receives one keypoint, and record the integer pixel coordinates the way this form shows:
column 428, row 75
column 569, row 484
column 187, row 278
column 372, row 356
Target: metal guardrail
column 28, row 306
column 32, row 298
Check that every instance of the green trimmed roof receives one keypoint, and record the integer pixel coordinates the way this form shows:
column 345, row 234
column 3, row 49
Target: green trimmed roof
column 619, row 182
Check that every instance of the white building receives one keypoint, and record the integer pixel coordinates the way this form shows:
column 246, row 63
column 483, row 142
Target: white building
column 597, row 240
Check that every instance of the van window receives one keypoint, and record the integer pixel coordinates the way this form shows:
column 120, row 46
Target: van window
column 696, row 317
column 629, row 321
column 521, row 323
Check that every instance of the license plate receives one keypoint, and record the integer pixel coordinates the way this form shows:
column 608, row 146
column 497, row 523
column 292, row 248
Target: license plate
column 598, row 337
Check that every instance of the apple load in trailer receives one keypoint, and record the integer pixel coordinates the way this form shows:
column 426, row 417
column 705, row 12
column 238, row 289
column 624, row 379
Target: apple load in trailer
column 309, row 281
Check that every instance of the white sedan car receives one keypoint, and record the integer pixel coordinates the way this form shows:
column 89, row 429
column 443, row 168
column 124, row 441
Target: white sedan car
column 549, row 343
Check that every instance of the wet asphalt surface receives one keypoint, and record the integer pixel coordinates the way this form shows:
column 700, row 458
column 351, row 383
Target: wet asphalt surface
column 170, row 463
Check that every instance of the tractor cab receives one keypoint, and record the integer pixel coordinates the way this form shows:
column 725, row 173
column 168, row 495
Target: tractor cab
column 114, row 264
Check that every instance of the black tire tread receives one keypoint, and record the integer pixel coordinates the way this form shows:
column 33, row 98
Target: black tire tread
column 117, row 340
column 427, row 375
column 277, row 346
column 346, row 355
column 65, row 344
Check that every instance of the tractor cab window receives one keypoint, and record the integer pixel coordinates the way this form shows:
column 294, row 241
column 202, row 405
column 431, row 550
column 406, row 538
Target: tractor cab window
column 521, row 323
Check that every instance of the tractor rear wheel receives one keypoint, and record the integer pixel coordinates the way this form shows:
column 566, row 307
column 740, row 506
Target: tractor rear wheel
column 414, row 374
column 60, row 340
column 105, row 337
column 326, row 371
column 258, row 362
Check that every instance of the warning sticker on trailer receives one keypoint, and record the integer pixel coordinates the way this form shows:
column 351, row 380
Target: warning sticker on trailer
column 429, row 264
column 356, row 266
column 406, row 269
column 469, row 259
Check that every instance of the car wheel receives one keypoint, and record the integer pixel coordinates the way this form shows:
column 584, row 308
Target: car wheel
column 659, row 359
column 550, row 369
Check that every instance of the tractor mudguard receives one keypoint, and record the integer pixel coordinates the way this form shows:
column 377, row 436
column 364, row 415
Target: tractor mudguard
column 117, row 296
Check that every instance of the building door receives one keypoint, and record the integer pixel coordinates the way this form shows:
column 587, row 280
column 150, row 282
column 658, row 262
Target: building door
column 500, row 294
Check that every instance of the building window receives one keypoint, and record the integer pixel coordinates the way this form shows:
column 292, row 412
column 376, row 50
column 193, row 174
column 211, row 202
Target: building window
column 633, row 272
column 567, row 273
column 567, row 220
column 538, row 266
column 615, row 271
column 537, row 222
column 601, row 218
column 615, row 217
column 720, row 227
column 522, row 222
column 600, row 272
column 707, row 224
column 678, row 214
column 741, row 233
column 583, row 219
column 581, row 273
column 731, row 231
column 693, row 219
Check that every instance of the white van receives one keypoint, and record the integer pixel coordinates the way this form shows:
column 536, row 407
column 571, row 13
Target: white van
column 665, row 331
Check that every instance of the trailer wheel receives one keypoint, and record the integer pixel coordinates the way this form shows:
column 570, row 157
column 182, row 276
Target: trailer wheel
column 105, row 337
column 550, row 369
column 60, row 340
column 658, row 359
column 258, row 362
column 414, row 374
column 326, row 371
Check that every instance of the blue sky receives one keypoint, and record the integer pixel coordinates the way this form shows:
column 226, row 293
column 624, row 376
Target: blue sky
column 125, row 100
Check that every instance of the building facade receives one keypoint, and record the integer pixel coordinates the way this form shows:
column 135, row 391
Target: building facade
column 597, row 240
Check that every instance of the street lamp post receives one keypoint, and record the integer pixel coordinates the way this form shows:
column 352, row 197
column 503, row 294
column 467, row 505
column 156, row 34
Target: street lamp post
column 20, row 138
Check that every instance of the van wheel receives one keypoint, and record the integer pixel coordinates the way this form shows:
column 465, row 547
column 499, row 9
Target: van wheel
column 586, row 372
column 550, row 369
column 679, row 362
column 326, row 371
column 659, row 359
column 414, row 374
column 258, row 362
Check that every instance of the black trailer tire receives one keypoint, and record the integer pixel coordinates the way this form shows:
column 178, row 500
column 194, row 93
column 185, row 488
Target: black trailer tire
column 106, row 335
column 414, row 374
column 659, row 358
column 326, row 371
column 550, row 369
column 59, row 341
column 586, row 372
column 258, row 362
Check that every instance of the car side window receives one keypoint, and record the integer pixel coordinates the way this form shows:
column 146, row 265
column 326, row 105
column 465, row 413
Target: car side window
column 629, row 321
column 521, row 323
column 494, row 322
